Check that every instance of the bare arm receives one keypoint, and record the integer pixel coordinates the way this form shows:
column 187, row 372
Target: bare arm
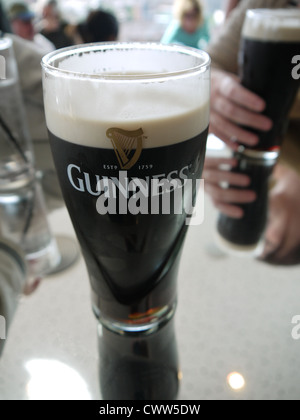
column 230, row 5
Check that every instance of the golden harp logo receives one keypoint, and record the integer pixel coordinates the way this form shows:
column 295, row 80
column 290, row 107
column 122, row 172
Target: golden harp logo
column 127, row 145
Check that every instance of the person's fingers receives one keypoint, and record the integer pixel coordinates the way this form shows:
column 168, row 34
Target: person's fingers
column 233, row 179
column 227, row 131
column 231, row 88
column 228, row 140
column 230, row 195
column 230, row 210
column 240, row 115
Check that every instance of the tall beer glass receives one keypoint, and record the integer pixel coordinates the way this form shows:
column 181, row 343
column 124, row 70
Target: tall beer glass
column 128, row 125
column 269, row 62
column 269, row 66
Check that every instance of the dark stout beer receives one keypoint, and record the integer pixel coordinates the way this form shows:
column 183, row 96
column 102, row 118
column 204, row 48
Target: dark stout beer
column 270, row 41
column 244, row 234
column 132, row 259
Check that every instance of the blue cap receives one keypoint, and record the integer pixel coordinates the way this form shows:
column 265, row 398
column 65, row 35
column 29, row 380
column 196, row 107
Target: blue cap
column 20, row 11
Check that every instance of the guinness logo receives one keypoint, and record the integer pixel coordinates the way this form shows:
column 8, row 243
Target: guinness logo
column 127, row 145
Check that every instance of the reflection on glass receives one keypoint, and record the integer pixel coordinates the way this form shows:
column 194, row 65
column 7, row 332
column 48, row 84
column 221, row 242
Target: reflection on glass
column 214, row 143
column 53, row 380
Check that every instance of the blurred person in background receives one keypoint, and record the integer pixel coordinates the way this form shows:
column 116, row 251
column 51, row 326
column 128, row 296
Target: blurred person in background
column 189, row 26
column 100, row 26
column 53, row 27
column 21, row 21
column 232, row 105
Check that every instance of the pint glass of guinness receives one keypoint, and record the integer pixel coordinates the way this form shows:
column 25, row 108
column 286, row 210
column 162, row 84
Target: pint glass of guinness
column 128, row 124
column 270, row 51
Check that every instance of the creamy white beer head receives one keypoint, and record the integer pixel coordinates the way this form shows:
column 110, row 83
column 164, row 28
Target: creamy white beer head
column 152, row 91
column 278, row 25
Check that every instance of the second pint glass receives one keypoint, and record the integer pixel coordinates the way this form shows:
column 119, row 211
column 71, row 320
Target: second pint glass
column 269, row 55
column 128, row 123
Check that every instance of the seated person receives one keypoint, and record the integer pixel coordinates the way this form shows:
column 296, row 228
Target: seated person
column 189, row 26
column 21, row 20
column 53, row 27
column 100, row 26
